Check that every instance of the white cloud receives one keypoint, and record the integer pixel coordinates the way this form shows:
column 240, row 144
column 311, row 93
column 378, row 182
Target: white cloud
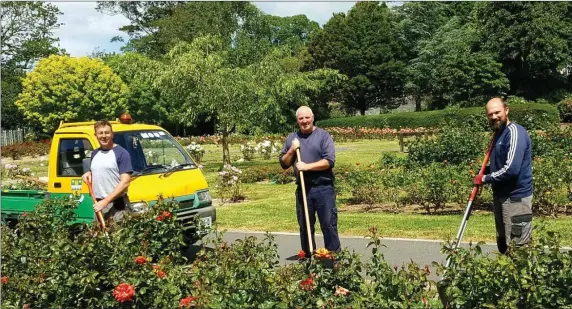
column 84, row 29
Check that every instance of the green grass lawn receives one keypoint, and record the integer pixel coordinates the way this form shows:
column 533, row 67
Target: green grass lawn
column 271, row 207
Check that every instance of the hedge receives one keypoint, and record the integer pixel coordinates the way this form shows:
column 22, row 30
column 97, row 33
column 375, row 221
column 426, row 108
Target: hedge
column 532, row 115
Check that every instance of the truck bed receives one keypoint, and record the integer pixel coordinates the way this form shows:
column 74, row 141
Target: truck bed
column 16, row 202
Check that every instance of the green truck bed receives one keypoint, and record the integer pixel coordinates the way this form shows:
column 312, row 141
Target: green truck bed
column 16, row 202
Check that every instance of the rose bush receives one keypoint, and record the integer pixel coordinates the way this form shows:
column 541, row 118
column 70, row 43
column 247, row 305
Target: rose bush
column 49, row 263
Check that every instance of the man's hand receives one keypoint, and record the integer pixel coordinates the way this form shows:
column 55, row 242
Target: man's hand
column 302, row 167
column 478, row 181
column 98, row 206
column 86, row 177
column 295, row 145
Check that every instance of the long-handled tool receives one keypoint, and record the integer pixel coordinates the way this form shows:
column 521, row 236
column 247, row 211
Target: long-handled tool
column 468, row 211
column 308, row 231
column 98, row 214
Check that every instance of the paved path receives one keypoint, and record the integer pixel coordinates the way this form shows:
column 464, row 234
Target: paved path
column 397, row 250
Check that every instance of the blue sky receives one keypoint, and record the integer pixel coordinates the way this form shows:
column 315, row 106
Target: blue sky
column 85, row 30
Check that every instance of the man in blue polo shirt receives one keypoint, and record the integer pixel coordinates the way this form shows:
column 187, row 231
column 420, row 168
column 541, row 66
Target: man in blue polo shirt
column 111, row 172
column 510, row 175
column 318, row 156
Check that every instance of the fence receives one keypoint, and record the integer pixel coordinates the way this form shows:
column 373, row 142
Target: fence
column 10, row 137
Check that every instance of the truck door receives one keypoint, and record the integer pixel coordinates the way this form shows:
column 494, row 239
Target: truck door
column 66, row 168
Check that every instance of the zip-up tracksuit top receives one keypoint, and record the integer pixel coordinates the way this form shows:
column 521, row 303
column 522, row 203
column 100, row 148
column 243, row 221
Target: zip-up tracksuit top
column 511, row 163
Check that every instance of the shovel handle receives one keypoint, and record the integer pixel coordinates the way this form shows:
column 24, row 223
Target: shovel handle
column 98, row 214
column 302, row 184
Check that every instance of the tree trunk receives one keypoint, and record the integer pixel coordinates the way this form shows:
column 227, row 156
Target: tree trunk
column 225, row 149
column 417, row 103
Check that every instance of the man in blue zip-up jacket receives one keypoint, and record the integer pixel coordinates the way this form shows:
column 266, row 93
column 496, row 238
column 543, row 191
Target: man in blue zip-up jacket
column 510, row 174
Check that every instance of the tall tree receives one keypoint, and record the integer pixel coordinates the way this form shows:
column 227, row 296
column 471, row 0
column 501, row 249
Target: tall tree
column 452, row 69
column 144, row 101
column 533, row 41
column 200, row 79
column 70, row 89
column 362, row 45
column 26, row 36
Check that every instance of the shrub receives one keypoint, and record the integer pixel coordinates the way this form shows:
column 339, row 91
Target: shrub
column 454, row 145
column 32, row 149
column 532, row 276
column 196, row 151
column 532, row 116
column 248, row 151
column 230, row 184
column 565, row 109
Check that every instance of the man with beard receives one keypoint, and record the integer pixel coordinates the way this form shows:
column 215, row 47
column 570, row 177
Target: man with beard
column 510, row 174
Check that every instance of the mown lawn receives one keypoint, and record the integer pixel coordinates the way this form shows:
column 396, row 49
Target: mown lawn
column 271, row 207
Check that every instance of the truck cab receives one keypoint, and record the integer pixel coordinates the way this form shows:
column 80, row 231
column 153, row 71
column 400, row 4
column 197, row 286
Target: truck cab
column 162, row 169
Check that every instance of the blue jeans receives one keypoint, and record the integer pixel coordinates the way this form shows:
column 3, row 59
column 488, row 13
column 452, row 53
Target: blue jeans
column 321, row 200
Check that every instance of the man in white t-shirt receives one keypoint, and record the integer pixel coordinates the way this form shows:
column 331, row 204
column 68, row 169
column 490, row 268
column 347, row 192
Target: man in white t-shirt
column 110, row 173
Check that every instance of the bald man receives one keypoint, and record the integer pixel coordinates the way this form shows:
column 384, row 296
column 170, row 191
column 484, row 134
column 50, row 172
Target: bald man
column 510, row 174
column 317, row 160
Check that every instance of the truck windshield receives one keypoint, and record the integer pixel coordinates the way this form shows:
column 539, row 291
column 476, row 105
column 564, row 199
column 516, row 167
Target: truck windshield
column 153, row 151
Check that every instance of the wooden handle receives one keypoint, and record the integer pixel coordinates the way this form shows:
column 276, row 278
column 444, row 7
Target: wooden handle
column 308, row 230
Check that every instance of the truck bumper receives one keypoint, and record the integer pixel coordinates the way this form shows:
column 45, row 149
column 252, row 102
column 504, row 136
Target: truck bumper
column 207, row 215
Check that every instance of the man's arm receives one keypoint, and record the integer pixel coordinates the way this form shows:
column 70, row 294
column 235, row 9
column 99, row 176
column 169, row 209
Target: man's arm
column 516, row 149
column 328, row 157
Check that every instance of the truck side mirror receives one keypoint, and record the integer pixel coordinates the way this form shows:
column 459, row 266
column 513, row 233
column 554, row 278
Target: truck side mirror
column 86, row 162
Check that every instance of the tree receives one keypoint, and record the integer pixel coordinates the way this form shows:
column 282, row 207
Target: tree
column 70, row 89
column 254, row 98
column 26, row 35
column 362, row 45
column 533, row 41
column 27, row 32
column 452, row 69
column 144, row 101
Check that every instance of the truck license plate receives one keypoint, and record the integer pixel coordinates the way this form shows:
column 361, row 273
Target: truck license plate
column 207, row 221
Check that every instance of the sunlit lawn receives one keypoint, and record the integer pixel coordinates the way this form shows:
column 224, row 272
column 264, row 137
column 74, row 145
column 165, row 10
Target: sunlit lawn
column 271, row 207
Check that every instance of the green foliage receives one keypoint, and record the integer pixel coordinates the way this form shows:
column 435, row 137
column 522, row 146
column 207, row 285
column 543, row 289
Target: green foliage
column 454, row 145
column 363, row 46
column 27, row 33
column 565, row 109
column 451, row 68
column 144, row 102
column 51, row 263
column 532, row 116
column 70, row 89
column 532, row 276
column 531, row 40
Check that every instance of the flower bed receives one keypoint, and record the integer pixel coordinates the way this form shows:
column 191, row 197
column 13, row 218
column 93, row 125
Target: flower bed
column 49, row 263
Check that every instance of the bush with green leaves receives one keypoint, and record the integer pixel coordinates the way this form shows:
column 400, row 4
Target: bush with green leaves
column 455, row 145
column 533, row 276
column 565, row 109
column 533, row 116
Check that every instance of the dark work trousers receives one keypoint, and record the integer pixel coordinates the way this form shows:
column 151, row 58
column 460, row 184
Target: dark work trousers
column 321, row 200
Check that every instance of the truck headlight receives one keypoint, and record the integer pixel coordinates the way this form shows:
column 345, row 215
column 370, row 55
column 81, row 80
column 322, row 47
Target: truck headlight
column 139, row 207
column 204, row 196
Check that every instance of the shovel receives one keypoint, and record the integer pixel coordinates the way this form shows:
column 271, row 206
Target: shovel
column 308, row 231
column 441, row 285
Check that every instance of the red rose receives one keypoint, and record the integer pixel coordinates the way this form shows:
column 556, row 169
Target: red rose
column 26, row 306
column 301, row 254
column 307, row 284
column 161, row 274
column 4, row 280
column 124, row 292
column 164, row 215
column 140, row 260
column 186, row 302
